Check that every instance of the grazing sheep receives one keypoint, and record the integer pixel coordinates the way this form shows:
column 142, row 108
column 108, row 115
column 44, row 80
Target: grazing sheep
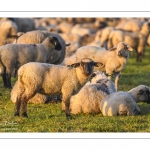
column 137, row 40
column 49, row 79
column 125, row 103
column 88, row 99
column 114, row 60
column 12, row 56
column 38, row 36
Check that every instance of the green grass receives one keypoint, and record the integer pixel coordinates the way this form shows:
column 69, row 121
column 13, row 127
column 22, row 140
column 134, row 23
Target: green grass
column 50, row 118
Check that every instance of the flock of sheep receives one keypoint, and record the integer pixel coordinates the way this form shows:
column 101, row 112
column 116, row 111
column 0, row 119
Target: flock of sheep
column 78, row 60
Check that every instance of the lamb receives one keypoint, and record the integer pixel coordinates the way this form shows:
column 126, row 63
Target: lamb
column 38, row 36
column 114, row 60
column 88, row 99
column 50, row 79
column 12, row 56
column 125, row 103
column 137, row 40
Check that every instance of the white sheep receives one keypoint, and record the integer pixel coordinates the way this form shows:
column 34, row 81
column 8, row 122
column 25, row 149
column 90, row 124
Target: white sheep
column 38, row 36
column 12, row 56
column 88, row 99
column 114, row 60
column 125, row 103
column 50, row 79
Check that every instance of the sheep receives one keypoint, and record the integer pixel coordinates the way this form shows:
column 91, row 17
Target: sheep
column 137, row 40
column 37, row 99
column 12, row 56
column 125, row 103
column 7, row 28
column 88, row 99
column 37, row 36
column 114, row 60
column 50, row 79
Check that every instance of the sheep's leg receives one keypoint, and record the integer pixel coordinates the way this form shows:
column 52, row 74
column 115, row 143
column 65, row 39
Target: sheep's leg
column 4, row 79
column 24, row 108
column 116, row 77
column 8, row 79
column 17, row 106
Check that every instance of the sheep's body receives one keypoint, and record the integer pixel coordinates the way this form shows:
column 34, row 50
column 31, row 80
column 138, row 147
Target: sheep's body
column 137, row 40
column 51, row 79
column 125, row 103
column 37, row 99
column 88, row 99
column 38, row 36
column 113, row 63
column 12, row 56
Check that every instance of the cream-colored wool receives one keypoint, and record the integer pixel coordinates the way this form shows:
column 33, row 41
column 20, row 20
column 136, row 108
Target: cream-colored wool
column 88, row 99
column 125, row 103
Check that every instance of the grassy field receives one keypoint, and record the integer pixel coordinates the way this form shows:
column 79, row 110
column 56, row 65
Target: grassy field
column 50, row 118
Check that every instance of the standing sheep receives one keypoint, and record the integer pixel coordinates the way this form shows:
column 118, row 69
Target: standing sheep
column 49, row 79
column 38, row 36
column 88, row 99
column 125, row 103
column 137, row 40
column 12, row 56
column 114, row 60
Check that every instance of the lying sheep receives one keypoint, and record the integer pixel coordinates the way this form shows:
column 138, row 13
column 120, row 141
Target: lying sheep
column 88, row 99
column 49, row 79
column 137, row 40
column 12, row 56
column 38, row 36
column 125, row 103
column 114, row 60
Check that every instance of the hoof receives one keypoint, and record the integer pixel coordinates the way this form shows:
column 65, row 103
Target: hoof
column 24, row 115
column 16, row 114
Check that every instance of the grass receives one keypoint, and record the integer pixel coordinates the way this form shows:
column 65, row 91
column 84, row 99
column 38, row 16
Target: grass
column 49, row 117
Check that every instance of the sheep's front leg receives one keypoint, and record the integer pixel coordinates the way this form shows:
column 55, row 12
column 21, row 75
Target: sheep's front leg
column 116, row 77
column 17, row 106
column 8, row 79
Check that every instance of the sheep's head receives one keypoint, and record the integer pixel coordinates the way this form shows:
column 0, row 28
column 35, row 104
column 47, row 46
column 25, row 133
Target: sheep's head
column 143, row 93
column 53, row 41
column 122, row 49
column 86, row 65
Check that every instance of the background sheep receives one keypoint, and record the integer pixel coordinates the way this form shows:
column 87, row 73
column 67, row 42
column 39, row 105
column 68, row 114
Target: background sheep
column 88, row 99
column 125, row 103
column 114, row 60
column 12, row 56
column 38, row 36
column 51, row 79
column 137, row 40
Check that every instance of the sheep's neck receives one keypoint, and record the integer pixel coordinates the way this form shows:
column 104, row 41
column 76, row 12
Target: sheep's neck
column 133, row 95
column 80, row 76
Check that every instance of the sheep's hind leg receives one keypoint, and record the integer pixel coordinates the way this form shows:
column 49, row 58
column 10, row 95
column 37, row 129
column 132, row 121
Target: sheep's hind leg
column 8, row 79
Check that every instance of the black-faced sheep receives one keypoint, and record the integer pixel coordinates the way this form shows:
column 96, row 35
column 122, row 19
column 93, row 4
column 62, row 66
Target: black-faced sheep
column 38, row 36
column 125, row 103
column 12, row 56
column 114, row 60
column 49, row 79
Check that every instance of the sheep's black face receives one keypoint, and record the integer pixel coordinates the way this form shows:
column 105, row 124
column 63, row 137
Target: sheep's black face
column 123, row 53
column 56, row 43
column 87, row 67
column 148, row 94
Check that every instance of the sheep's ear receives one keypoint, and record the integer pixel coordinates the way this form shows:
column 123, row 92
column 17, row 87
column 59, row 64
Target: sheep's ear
column 68, row 44
column 130, row 48
column 75, row 65
column 113, row 48
column 97, row 64
column 140, row 92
